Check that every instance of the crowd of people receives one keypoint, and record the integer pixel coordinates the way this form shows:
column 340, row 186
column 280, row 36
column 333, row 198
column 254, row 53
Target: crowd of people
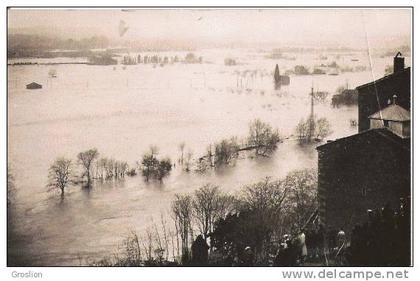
column 382, row 240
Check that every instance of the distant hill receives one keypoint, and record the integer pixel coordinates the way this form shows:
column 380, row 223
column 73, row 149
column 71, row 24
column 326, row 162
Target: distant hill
column 26, row 45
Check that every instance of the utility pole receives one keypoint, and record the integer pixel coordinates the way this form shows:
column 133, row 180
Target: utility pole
column 311, row 117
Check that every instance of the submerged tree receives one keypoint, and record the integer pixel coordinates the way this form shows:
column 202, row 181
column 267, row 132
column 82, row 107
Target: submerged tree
column 312, row 129
column 181, row 147
column 152, row 167
column 163, row 169
column 322, row 128
column 86, row 159
column 60, row 174
column 149, row 165
column 226, row 151
column 188, row 161
column 263, row 138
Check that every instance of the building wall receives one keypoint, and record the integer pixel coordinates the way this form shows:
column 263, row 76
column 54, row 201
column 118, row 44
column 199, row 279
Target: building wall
column 396, row 127
column 407, row 128
column 397, row 84
column 376, row 123
column 360, row 173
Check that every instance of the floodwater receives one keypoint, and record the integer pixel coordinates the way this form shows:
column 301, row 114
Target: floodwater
column 122, row 112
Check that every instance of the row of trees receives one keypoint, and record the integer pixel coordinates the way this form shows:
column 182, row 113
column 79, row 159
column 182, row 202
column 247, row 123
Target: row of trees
column 63, row 172
column 108, row 168
column 263, row 139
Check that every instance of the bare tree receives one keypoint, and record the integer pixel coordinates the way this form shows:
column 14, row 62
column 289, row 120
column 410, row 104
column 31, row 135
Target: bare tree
column 265, row 200
column 149, row 165
column 60, row 174
column 302, row 130
column 322, row 128
column 154, row 168
column 165, row 235
column 181, row 149
column 226, row 151
column 182, row 210
column 301, row 201
column 133, row 254
column 209, row 205
column 188, row 160
column 262, row 137
column 86, row 159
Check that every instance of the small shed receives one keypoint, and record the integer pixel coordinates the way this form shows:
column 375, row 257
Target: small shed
column 394, row 117
column 33, row 86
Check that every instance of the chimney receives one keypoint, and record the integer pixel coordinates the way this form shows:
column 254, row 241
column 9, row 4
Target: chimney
column 398, row 62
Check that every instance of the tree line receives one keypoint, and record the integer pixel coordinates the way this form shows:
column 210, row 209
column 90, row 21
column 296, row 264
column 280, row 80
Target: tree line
column 262, row 140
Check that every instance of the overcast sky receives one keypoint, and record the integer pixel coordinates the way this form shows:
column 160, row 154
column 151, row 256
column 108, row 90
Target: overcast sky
column 344, row 27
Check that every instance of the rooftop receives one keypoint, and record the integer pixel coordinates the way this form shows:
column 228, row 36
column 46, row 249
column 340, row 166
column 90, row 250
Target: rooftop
column 383, row 132
column 387, row 77
column 393, row 112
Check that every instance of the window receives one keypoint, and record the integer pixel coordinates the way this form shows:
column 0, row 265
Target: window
column 386, row 123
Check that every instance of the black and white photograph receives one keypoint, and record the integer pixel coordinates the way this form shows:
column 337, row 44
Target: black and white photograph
column 209, row 137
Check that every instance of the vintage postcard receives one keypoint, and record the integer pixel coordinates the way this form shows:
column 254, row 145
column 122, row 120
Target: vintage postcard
column 209, row 137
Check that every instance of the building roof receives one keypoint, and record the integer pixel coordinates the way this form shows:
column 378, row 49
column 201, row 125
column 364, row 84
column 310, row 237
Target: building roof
column 383, row 132
column 387, row 77
column 33, row 84
column 393, row 112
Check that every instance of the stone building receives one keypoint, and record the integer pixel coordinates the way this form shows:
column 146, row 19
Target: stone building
column 376, row 95
column 372, row 168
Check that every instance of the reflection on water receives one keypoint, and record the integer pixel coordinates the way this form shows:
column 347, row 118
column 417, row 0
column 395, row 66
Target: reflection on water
column 122, row 112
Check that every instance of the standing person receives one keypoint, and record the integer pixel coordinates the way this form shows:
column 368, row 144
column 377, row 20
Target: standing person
column 302, row 244
column 341, row 247
column 199, row 251
column 289, row 254
column 341, row 238
column 248, row 257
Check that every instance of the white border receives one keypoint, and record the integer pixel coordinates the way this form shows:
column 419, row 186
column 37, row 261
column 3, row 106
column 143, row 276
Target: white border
column 171, row 274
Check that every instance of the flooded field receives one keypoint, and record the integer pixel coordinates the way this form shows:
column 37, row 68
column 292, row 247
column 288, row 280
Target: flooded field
column 122, row 112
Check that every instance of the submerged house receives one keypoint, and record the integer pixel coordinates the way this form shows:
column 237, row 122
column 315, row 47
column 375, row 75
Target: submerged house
column 371, row 168
column 33, row 86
